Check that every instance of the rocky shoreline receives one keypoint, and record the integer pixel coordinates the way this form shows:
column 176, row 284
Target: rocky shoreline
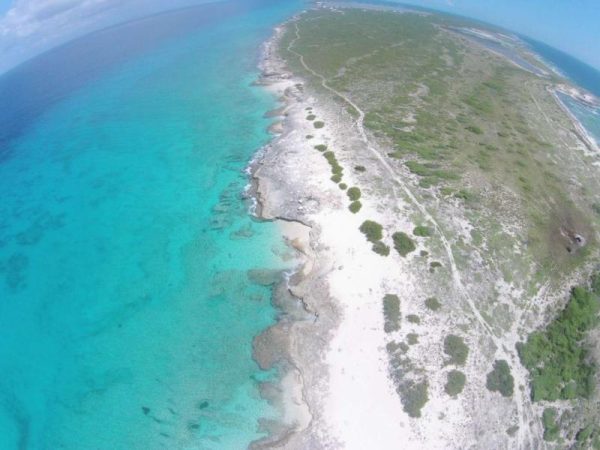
column 307, row 313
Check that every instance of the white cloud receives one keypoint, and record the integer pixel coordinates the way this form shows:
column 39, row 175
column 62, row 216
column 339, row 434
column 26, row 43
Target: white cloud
column 33, row 26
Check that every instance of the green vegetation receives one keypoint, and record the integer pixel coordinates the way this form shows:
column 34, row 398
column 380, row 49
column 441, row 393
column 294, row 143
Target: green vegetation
column 422, row 231
column 414, row 396
column 500, row 379
column 381, row 249
column 355, row 207
column 309, row 136
column 470, row 118
column 412, row 339
column 434, row 265
column 391, row 313
column 433, row 303
column 588, row 437
column 360, row 168
column 456, row 349
column 372, row 230
column 403, row 244
column 551, row 429
column 311, row 117
column 336, row 170
column 464, row 195
column 354, row 194
column 412, row 318
column 474, row 129
column 556, row 357
column 319, row 124
column 343, row 186
column 321, row 147
column 456, row 383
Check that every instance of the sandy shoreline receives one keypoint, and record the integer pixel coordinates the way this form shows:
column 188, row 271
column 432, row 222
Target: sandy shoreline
column 330, row 340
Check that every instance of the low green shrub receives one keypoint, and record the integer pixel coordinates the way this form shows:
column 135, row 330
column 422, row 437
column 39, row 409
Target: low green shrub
column 474, row 129
column 403, row 244
column 381, row 249
column 551, row 429
column 500, row 379
column 412, row 339
column 422, row 231
column 455, row 382
column 321, row 147
column 391, row 313
column 360, row 168
column 464, row 195
column 412, row 318
column 311, row 117
column 319, row 124
column 434, row 265
column 355, row 207
column 354, row 193
column 433, row 303
column 372, row 230
column 414, row 396
column 456, row 349
column 343, row 186
column 336, row 178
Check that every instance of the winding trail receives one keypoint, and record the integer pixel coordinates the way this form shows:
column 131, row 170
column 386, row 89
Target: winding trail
column 525, row 438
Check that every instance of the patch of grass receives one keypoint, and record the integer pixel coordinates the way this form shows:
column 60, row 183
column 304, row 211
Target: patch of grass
column 372, row 230
column 588, row 437
column 318, row 124
column 433, row 304
column 391, row 313
column 556, row 357
column 403, row 244
column 465, row 195
column 474, row 129
column 456, row 349
column 354, row 193
column 500, row 379
column 343, row 186
column 551, row 429
column 422, row 231
column 455, row 383
column 413, row 318
column 360, row 168
column 355, row 207
column 321, row 147
column 311, row 117
column 381, row 249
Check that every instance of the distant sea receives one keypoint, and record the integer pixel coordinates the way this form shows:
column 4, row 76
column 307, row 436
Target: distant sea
column 581, row 75
column 126, row 310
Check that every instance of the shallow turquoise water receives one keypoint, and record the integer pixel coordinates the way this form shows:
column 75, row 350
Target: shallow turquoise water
column 587, row 115
column 126, row 312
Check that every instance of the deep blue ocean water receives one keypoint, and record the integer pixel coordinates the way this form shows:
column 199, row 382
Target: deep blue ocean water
column 126, row 311
column 577, row 71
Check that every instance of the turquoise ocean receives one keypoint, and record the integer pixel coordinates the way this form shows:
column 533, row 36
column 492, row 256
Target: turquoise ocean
column 126, row 310
column 582, row 75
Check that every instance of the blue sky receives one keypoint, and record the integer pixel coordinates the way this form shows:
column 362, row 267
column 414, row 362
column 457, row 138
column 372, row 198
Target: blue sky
column 29, row 27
